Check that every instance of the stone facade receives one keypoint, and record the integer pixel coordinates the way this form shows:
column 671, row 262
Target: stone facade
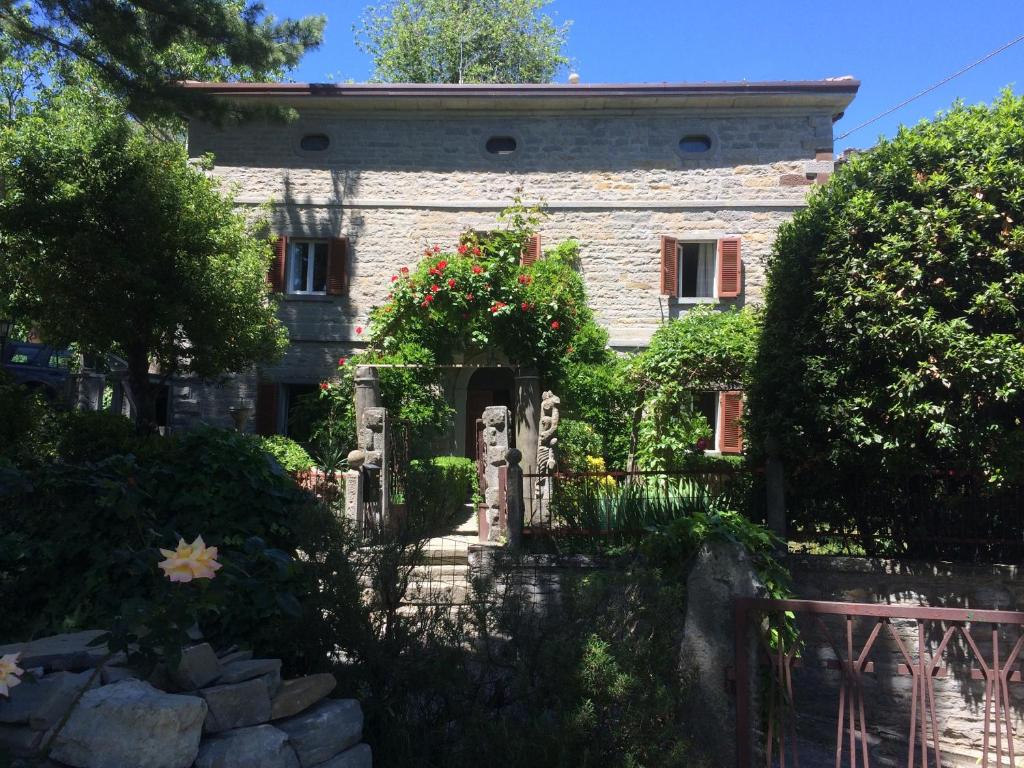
column 404, row 172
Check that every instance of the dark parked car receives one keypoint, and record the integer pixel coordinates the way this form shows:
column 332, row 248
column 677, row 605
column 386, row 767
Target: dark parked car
column 38, row 366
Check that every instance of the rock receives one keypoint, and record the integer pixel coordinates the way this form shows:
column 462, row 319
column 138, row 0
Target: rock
column 199, row 666
column 298, row 695
column 236, row 705
column 328, row 729
column 267, row 669
column 131, row 724
column 360, row 756
column 262, row 746
column 19, row 740
column 43, row 703
column 722, row 572
column 112, row 674
column 233, row 656
column 69, row 652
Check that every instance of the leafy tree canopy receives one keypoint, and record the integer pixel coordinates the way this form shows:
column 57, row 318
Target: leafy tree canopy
column 894, row 326
column 114, row 241
column 140, row 50
column 463, row 41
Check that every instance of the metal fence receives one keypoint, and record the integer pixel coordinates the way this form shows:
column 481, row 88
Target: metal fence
column 614, row 504
column 890, row 676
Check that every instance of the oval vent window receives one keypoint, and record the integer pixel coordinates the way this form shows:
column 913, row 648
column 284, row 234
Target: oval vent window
column 693, row 144
column 501, row 145
column 315, row 142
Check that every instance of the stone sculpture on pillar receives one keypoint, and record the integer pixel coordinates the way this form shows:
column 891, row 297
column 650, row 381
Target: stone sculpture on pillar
column 547, row 462
column 497, row 426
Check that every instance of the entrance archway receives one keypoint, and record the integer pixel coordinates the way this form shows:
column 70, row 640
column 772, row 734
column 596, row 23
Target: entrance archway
column 487, row 387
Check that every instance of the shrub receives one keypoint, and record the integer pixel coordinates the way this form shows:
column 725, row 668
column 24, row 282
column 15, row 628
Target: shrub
column 895, row 316
column 577, row 441
column 26, row 423
column 95, row 435
column 289, row 454
column 437, row 491
column 78, row 548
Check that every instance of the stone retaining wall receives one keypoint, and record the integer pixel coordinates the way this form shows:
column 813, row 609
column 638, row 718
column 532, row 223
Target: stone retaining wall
column 80, row 706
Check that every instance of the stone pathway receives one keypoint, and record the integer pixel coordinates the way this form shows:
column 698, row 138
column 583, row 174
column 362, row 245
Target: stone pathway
column 441, row 576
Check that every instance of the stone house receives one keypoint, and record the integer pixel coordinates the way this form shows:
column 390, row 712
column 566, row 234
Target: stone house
column 674, row 192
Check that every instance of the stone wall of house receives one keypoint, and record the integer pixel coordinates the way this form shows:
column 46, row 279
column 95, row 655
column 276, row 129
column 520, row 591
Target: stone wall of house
column 616, row 182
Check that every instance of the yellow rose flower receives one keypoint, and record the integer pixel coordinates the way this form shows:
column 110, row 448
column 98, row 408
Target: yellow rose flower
column 190, row 561
column 9, row 673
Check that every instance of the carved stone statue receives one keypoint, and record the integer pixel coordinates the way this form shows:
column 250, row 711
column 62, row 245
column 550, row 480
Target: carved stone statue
column 546, row 460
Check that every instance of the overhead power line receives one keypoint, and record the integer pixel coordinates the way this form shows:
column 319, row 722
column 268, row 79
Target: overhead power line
column 931, row 88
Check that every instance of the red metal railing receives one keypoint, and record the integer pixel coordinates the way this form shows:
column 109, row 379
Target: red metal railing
column 786, row 630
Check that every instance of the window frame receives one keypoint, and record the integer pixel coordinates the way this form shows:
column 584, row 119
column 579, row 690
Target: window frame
column 291, row 261
column 710, row 243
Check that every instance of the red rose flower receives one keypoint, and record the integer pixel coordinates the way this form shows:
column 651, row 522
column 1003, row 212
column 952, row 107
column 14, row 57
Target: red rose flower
column 324, row 386
column 341, row 361
column 476, row 251
column 477, row 269
column 463, row 249
column 469, row 297
column 555, row 324
column 442, row 264
column 437, row 249
column 434, row 288
column 393, row 278
column 525, row 306
column 425, row 304
column 404, row 270
column 525, row 279
column 428, row 298
column 451, row 283
column 359, row 329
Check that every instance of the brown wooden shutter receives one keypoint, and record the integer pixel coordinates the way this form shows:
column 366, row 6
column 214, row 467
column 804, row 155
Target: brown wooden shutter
column 730, row 268
column 266, row 409
column 730, row 431
column 669, row 266
column 531, row 251
column 275, row 276
column 337, row 266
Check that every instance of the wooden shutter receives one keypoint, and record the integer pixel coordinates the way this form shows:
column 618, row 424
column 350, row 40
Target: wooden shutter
column 531, row 251
column 337, row 266
column 730, row 432
column 276, row 275
column 266, row 409
column 669, row 266
column 730, row 268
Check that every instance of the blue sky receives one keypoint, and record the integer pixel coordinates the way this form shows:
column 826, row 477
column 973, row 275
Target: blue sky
column 895, row 47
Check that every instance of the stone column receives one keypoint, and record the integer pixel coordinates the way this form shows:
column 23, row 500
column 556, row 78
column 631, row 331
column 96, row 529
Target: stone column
column 527, row 425
column 373, row 442
column 367, row 392
column 497, row 431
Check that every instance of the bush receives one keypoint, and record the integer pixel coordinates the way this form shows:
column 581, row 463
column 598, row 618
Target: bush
column 26, row 423
column 96, row 435
column 894, row 323
column 577, row 441
column 78, row 543
column 289, row 454
column 436, row 493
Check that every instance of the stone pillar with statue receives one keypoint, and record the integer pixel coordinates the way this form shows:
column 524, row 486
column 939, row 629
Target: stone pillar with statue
column 547, row 460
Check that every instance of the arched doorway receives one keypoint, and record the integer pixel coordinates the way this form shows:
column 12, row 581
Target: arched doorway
column 487, row 386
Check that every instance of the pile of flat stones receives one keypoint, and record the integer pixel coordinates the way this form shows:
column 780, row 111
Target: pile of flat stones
column 85, row 708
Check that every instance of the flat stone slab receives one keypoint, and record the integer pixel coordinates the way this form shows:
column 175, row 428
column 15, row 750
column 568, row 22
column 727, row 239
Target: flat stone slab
column 131, row 724
column 232, row 656
column 298, row 695
column 236, row 705
column 360, row 756
column 42, row 703
column 240, row 671
column 68, row 652
column 262, row 746
column 199, row 666
column 326, row 730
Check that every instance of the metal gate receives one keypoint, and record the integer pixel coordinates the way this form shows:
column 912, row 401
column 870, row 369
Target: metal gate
column 867, row 645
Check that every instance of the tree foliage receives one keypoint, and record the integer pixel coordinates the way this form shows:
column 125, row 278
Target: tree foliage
column 894, row 326
column 140, row 51
column 463, row 41
column 114, row 241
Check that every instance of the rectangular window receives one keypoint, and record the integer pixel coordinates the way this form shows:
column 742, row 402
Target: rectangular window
column 707, row 406
column 307, row 266
column 696, row 272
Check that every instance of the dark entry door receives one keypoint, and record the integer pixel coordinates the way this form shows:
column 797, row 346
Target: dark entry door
column 489, row 386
